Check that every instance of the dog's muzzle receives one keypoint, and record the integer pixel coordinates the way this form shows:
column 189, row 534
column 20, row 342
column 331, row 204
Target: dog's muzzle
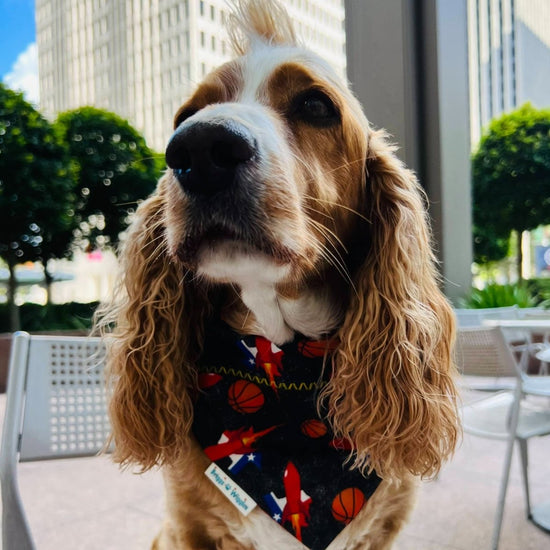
column 206, row 156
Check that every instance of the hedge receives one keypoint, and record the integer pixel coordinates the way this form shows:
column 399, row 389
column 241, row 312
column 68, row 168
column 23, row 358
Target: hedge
column 52, row 317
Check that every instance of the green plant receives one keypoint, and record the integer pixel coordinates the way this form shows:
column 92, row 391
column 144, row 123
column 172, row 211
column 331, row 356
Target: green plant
column 540, row 289
column 51, row 317
column 495, row 295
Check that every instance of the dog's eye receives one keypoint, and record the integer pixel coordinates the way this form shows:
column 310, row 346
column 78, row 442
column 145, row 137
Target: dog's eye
column 316, row 108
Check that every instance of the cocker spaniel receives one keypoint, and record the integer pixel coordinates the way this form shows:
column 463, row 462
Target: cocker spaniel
column 282, row 349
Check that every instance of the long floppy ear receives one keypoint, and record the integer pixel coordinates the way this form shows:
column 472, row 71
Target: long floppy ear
column 392, row 392
column 151, row 350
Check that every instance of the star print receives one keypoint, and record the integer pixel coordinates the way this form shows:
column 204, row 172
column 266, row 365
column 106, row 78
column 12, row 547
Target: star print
column 251, row 457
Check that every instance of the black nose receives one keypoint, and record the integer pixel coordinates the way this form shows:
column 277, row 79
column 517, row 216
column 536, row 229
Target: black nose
column 205, row 157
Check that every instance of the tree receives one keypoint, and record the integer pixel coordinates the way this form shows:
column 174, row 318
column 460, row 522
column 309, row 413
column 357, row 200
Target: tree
column 114, row 170
column 489, row 246
column 36, row 197
column 511, row 181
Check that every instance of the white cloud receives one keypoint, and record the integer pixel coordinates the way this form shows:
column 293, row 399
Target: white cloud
column 24, row 74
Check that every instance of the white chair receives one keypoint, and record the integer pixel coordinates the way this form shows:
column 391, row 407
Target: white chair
column 543, row 335
column 55, row 408
column 506, row 415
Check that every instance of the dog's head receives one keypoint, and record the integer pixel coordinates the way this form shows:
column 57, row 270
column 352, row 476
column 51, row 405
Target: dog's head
column 276, row 181
column 266, row 179
column 267, row 153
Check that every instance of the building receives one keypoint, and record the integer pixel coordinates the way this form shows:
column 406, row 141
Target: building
column 141, row 58
column 413, row 81
column 509, row 58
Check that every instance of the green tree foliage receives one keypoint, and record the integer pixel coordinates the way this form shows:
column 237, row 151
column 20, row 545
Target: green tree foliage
column 511, row 180
column 115, row 170
column 36, row 196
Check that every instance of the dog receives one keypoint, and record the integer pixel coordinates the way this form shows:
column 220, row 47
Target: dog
column 280, row 314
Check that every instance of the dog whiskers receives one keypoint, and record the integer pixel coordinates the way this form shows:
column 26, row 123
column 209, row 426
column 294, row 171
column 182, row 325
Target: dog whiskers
column 346, row 165
column 338, row 205
column 333, row 257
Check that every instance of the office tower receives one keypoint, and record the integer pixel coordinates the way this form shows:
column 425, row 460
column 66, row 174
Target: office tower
column 141, row 58
column 509, row 50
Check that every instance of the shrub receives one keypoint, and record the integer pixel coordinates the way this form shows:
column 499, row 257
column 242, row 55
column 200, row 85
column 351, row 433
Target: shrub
column 51, row 317
column 540, row 289
column 495, row 295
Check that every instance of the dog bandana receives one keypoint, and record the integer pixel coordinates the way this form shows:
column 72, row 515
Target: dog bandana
column 256, row 418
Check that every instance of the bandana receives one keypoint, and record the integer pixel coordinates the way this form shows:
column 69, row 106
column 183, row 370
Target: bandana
column 256, row 418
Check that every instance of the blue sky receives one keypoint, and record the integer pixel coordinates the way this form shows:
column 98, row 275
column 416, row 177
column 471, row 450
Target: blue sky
column 17, row 33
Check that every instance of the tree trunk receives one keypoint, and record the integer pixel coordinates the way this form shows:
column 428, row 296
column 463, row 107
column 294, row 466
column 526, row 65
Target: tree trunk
column 48, row 281
column 15, row 319
column 520, row 256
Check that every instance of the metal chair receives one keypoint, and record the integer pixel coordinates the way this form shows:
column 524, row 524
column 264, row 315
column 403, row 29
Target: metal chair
column 543, row 337
column 56, row 408
column 505, row 415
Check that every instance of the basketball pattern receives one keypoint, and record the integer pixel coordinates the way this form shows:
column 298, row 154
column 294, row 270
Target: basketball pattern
column 257, row 413
column 208, row 380
column 245, row 397
column 347, row 504
column 317, row 348
column 313, row 428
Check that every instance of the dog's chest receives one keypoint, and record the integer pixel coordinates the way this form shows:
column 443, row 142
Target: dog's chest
column 256, row 417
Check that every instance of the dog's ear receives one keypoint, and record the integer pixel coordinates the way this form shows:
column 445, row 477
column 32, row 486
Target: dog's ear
column 392, row 393
column 151, row 350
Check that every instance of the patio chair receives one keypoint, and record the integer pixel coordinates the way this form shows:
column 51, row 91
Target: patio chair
column 506, row 415
column 55, row 408
column 539, row 338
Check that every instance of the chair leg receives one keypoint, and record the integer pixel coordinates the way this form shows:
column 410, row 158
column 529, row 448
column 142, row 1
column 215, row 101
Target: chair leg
column 514, row 417
column 525, row 473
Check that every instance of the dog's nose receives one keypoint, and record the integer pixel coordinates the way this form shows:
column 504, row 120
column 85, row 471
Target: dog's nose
column 205, row 157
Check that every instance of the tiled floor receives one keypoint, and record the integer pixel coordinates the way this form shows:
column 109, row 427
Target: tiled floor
column 88, row 504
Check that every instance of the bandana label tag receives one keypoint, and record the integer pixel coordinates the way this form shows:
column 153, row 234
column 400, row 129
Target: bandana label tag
column 239, row 498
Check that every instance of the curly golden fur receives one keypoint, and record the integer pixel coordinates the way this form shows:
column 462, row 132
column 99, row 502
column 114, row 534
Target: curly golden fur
column 351, row 215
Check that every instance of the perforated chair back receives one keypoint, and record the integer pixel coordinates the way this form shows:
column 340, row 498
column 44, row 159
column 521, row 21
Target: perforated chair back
column 483, row 351
column 55, row 408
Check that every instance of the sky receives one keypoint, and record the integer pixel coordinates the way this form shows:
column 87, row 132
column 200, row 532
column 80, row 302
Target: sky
column 18, row 54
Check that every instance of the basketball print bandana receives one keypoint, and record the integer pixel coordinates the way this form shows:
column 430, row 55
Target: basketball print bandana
column 256, row 418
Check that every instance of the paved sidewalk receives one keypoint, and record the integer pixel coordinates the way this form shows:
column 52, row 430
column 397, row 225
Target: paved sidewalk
column 88, row 504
